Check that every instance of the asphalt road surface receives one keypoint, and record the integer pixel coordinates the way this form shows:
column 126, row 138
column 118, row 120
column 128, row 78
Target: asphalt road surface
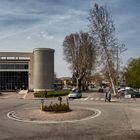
column 119, row 120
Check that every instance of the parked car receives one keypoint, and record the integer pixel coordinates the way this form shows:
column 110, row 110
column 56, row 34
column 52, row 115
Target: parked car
column 128, row 92
column 101, row 89
column 92, row 87
column 75, row 93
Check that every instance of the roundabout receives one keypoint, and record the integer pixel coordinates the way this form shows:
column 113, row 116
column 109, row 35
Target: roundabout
column 35, row 115
column 88, row 119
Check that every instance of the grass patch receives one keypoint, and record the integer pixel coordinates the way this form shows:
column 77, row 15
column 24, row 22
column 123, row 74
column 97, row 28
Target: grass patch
column 44, row 94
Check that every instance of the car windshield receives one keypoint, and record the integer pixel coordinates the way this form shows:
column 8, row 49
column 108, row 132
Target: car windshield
column 127, row 93
column 76, row 90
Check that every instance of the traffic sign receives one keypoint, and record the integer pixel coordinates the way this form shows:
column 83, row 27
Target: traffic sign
column 42, row 101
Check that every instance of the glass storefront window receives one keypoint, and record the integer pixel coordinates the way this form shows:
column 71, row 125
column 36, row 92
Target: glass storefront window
column 13, row 80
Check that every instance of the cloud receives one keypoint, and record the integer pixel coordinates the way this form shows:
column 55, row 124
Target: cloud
column 28, row 37
column 27, row 24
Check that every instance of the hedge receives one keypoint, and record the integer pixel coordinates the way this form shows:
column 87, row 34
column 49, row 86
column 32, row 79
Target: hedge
column 44, row 94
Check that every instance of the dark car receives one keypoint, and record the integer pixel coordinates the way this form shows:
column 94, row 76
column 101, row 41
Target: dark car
column 100, row 90
column 133, row 93
column 129, row 93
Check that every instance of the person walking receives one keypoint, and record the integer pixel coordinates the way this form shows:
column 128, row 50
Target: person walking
column 106, row 93
column 109, row 96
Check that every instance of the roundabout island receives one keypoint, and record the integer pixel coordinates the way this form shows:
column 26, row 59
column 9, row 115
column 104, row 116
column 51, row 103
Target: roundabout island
column 36, row 115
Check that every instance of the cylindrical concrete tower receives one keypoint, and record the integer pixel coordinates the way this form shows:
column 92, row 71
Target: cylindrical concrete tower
column 43, row 69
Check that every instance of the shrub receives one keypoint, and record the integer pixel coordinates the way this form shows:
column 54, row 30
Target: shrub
column 55, row 107
column 61, row 107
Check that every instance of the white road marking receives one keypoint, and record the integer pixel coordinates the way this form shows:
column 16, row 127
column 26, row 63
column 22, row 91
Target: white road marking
column 76, row 99
column 11, row 115
column 91, row 99
column 82, row 99
column 24, row 96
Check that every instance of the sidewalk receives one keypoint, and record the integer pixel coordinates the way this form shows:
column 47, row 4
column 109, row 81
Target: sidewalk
column 30, row 96
column 6, row 95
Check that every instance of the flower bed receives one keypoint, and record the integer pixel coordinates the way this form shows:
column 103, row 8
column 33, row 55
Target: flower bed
column 55, row 107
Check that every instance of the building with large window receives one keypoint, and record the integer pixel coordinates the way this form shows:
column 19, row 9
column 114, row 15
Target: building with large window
column 33, row 71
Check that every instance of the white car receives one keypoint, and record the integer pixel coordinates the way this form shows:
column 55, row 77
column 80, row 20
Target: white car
column 75, row 94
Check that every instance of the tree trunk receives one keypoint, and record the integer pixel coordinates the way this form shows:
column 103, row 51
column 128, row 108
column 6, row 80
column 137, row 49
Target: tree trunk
column 109, row 71
column 112, row 85
column 78, row 83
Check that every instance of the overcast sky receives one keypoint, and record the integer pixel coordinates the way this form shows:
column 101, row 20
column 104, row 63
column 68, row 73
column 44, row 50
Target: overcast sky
column 28, row 24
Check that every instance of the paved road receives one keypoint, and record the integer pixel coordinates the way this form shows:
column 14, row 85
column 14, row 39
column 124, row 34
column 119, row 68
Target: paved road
column 118, row 120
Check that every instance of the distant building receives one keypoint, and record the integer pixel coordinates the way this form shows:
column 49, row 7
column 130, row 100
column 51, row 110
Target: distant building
column 33, row 71
column 66, row 81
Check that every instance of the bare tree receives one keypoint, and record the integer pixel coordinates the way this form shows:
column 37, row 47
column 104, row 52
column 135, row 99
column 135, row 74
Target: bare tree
column 116, row 53
column 102, row 29
column 80, row 52
column 119, row 50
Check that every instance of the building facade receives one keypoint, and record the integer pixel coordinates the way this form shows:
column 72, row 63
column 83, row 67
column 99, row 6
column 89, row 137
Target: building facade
column 33, row 71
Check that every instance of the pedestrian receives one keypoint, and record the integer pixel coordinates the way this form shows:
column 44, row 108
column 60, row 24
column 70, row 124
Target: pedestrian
column 106, row 93
column 109, row 96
